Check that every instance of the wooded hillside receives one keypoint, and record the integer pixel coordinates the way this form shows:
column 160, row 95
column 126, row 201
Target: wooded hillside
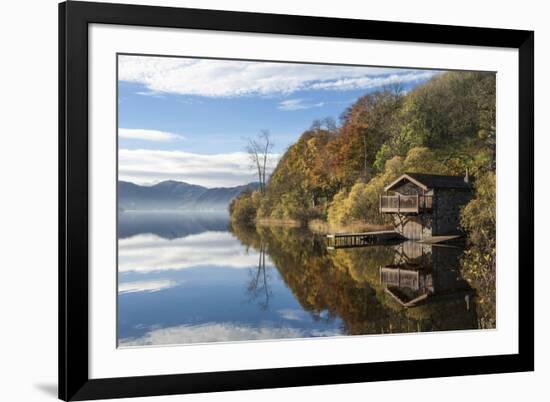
column 335, row 172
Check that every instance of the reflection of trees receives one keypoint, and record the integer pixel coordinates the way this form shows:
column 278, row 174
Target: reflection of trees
column 479, row 269
column 346, row 283
column 258, row 287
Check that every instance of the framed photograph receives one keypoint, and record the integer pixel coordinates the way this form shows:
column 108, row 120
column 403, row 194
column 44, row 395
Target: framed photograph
column 257, row 200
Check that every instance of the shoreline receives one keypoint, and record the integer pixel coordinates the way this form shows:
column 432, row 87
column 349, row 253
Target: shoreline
column 322, row 227
column 289, row 223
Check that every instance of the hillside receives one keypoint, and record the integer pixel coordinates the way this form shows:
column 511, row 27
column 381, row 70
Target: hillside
column 335, row 172
column 176, row 195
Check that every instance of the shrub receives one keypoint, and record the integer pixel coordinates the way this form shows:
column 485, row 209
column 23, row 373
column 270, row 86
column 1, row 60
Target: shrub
column 243, row 208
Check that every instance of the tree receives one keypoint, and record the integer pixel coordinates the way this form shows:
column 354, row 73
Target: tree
column 423, row 160
column 479, row 215
column 366, row 125
column 479, row 262
column 242, row 208
column 452, row 112
column 326, row 124
column 259, row 150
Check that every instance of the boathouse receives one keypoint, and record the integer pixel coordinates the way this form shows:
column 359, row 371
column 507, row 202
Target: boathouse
column 425, row 205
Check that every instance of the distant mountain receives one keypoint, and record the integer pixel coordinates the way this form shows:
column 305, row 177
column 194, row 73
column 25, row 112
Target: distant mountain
column 176, row 195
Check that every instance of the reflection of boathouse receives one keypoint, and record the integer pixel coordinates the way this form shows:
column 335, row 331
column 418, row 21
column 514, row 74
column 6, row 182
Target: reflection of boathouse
column 420, row 271
column 425, row 205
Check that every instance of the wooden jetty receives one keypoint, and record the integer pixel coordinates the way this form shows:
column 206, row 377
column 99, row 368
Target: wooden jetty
column 346, row 240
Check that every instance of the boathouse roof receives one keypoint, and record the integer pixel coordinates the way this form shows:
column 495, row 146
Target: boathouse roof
column 431, row 181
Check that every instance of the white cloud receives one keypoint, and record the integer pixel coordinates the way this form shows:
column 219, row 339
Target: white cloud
column 227, row 78
column 145, row 286
column 220, row 332
column 148, row 135
column 369, row 82
column 297, row 104
column 143, row 166
column 149, row 252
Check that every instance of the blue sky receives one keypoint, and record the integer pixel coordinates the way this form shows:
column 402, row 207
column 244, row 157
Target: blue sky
column 188, row 119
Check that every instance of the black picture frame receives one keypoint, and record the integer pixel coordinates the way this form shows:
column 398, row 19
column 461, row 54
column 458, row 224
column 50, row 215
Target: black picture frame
column 74, row 18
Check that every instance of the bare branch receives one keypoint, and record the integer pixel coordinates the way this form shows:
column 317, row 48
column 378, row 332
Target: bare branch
column 259, row 150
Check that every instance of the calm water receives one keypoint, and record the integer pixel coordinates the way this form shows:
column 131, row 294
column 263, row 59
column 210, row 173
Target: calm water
column 188, row 278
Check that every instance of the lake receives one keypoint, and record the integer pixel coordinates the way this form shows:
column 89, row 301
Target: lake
column 194, row 278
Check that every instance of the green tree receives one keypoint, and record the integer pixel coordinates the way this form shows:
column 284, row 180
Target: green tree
column 479, row 263
column 453, row 112
column 479, row 215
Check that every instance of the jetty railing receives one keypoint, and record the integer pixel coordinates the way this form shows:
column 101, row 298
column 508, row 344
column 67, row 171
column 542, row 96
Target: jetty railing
column 405, row 203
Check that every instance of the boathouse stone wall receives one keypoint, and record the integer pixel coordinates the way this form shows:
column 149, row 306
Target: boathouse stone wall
column 448, row 204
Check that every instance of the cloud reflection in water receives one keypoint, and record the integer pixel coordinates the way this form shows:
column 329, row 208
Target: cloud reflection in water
column 221, row 332
column 149, row 252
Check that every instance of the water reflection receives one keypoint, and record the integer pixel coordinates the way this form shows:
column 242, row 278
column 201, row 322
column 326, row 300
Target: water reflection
column 346, row 283
column 422, row 271
column 169, row 225
column 149, row 252
column 204, row 287
column 258, row 287
column 222, row 283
